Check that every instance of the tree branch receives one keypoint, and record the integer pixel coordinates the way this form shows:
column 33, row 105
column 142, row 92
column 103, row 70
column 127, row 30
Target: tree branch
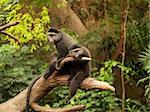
column 8, row 25
column 11, row 36
column 43, row 86
column 68, row 18
column 39, row 108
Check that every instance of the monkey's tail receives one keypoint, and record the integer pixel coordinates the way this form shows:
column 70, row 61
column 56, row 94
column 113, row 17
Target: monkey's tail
column 29, row 93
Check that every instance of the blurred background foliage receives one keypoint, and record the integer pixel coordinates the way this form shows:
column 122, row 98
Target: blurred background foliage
column 21, row 62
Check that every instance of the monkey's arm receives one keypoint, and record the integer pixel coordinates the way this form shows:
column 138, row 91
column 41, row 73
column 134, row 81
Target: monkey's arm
column 80, row 54
column 50, row 70
column 71, row 54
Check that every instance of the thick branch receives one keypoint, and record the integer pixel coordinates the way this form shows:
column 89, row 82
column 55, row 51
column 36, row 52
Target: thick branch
column 42, row 86
column 8, row 25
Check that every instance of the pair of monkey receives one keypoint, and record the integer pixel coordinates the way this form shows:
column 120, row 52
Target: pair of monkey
column 77, row 70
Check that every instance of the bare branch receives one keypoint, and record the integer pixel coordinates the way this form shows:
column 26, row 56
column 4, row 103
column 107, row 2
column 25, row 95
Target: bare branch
column 8, row 25
column 11, row 36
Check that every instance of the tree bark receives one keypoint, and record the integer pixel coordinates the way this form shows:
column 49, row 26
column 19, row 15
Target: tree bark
column 125, row 88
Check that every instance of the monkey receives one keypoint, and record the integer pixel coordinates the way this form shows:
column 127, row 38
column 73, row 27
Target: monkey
column 62, row 42
column 77, row 70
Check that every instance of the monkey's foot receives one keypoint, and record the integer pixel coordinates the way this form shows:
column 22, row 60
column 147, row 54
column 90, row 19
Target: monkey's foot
column 67, row 100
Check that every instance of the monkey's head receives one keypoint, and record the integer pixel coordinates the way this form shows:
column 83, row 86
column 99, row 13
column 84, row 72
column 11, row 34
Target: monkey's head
column 54, row 35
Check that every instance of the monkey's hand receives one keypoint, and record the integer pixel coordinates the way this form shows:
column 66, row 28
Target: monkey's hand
column 74, row 54
column 57, row 66
column 57, row 63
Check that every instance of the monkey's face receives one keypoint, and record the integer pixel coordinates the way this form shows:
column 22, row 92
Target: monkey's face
column 54, row 37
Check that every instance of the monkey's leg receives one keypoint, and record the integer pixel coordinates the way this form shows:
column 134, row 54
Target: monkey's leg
column 50, row 70
column 75, row 83
column 77, row 79
column 72, row 73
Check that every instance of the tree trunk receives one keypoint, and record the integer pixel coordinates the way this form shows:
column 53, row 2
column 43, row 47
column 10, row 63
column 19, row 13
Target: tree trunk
column 65, row 16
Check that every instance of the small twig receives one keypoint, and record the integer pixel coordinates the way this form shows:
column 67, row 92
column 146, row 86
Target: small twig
column 11, row 36
column 8, row 25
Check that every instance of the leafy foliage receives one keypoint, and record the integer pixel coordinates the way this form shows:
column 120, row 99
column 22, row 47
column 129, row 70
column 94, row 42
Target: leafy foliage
column 145, row 60
column 31, row 31
column 17, row 67
column 18, row 63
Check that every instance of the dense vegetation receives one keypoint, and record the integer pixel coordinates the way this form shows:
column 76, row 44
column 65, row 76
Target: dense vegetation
column 22, row 59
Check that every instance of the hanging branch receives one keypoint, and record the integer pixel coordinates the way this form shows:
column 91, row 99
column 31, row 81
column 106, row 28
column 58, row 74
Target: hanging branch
column 124, row 13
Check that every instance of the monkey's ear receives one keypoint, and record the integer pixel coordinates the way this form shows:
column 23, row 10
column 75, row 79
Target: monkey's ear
column 53, row 29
